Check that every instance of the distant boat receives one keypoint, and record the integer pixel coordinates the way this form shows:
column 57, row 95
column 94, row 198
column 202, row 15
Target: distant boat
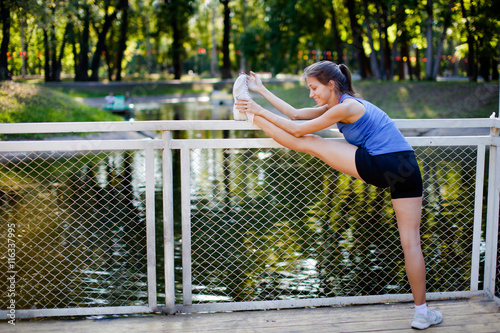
column 120, row 107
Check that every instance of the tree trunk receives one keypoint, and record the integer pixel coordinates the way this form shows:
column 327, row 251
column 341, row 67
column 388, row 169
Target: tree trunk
column 214, row 61
column 417, row 62
column 4, row 46
column 107, row 57
column 384, row 40
column 47, row 67
column 446, row 25
column 373, row 54
column 101, row 45
column 357, row 36
column 76, row 64
column 485, row 67
column 337, row 41
column 393, row 54
column 430, row 18
column 53, row 53
column 226, row 60
column 177, row 48
column 22, row 23
column 82, row 71
column 57, row 61
column 471, row 41
column 403, row 45
column 244, row 20
column 122, row 43
column 495, row 74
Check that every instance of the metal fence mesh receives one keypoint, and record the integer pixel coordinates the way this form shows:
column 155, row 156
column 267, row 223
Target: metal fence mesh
column 79, row 228
column 273, row 224
column 267, row 224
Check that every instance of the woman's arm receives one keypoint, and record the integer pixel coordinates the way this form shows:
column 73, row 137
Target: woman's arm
column 332, row 116
column 255, row 84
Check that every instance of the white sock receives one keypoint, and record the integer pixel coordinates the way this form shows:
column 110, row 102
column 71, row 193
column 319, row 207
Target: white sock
column 421, row 309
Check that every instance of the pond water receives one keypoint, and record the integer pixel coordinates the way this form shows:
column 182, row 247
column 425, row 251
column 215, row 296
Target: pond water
column 267, row 224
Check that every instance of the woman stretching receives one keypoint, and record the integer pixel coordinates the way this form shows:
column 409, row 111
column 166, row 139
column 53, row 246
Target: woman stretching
column 375, row 152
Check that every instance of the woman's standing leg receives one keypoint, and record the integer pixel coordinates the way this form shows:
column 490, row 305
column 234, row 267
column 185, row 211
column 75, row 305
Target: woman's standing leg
column 408, row 214
column 341, row 156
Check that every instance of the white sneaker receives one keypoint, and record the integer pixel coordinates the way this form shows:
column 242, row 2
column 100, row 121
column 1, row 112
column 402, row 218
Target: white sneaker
column 240, row 90
column 422, row 322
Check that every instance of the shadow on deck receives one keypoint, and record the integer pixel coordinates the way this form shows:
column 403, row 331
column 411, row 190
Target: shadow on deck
column 466, row 315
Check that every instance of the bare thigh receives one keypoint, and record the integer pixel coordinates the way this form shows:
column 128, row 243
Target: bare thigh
column 339, row 155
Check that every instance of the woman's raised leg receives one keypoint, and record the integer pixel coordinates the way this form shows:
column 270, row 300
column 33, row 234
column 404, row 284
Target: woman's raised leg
column 338, row 155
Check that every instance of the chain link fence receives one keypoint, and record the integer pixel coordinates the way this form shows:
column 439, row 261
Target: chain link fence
column 76, row 220
column 274, row 224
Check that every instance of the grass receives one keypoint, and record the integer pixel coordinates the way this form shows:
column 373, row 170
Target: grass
column 140, row 89
column 416, row 100
column 26, row 103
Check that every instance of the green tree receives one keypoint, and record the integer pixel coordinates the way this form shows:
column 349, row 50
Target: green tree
column 357, row 39
column 110, row 14
column 175, row 15
column 5, row 17
column 226, row 59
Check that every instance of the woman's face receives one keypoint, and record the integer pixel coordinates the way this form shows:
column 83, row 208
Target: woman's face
column 322, row 94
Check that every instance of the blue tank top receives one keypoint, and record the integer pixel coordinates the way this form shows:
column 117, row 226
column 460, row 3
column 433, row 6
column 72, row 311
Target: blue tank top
column 374, row 131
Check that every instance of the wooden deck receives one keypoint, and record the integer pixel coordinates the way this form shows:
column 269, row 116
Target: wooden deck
column 470, row 315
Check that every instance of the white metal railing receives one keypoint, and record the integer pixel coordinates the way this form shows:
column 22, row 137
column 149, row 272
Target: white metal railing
column 85, row 232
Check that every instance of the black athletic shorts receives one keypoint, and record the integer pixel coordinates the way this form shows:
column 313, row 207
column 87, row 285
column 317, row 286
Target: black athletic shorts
column 398, row 171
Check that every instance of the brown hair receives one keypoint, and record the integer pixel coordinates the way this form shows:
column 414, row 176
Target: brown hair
column 325, row 70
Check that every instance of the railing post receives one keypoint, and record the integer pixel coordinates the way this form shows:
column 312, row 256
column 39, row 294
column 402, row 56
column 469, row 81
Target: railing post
column 168, row 223
column 492, row 218
column 150, row 227
column 186, row 227
column 478, row 217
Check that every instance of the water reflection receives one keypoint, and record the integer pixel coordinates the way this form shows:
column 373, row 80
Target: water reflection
column 287, row 226
column 80, row 229
column 267, row 224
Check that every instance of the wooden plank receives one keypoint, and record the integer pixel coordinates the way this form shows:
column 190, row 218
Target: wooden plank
column 473, row 315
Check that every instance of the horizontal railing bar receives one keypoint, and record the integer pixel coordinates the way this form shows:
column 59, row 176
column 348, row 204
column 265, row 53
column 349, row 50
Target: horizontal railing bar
column 446, row 123
column 496, row 122
column 450, row 140
column 344, row 300
column 78, row 145
column 126, row 126
column 62, row 312
column 104, row 145
column 184, row 125
column 270, row 143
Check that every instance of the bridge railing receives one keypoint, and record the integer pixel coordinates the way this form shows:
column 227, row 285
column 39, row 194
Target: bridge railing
column 180, row 223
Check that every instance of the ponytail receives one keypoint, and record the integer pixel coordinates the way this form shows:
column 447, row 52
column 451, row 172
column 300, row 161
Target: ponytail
column 348, row 84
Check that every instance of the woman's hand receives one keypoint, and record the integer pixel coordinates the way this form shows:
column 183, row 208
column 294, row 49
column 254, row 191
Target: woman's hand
column 249, row 105
column 254, row 83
